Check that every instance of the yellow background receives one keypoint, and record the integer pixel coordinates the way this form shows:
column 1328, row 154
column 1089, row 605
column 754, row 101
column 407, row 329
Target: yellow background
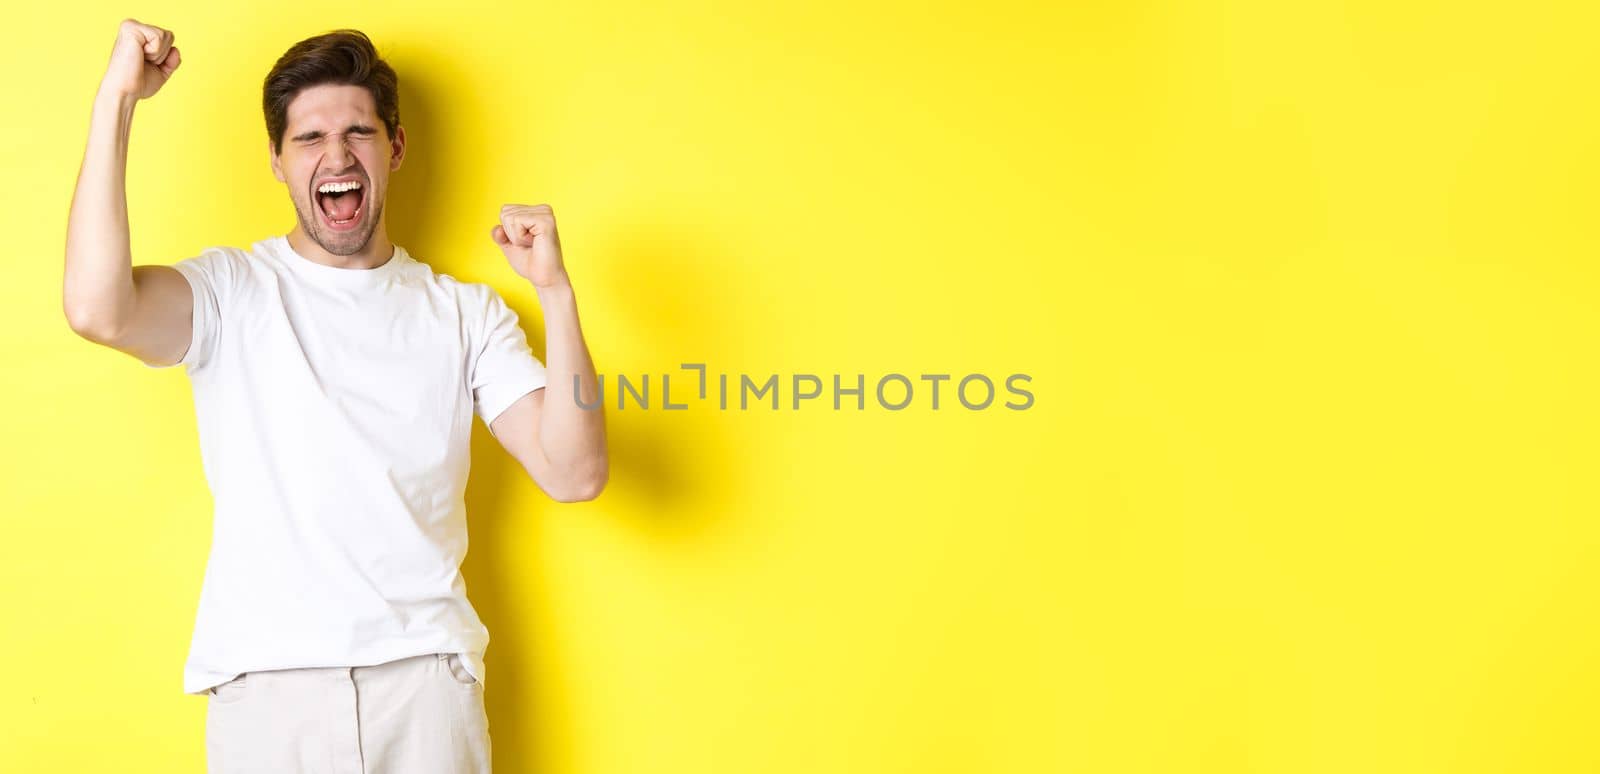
column 1306, row 291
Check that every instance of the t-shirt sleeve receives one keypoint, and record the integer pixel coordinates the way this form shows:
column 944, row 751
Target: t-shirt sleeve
column 211, row 277
column 503, row 367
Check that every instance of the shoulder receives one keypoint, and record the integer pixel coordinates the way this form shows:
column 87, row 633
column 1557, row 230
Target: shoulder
column 220, row 267
column 477, row 302
column 221, row 257
column 476, row 299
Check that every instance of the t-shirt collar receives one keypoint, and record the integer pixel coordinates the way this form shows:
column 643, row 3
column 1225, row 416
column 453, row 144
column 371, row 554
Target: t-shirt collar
column 319, row 272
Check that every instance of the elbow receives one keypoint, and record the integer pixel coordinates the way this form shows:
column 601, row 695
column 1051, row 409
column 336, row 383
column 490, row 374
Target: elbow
column 584, row 486
column 89, row 324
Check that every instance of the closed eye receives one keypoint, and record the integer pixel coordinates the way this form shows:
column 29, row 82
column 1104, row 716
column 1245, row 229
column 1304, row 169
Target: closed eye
column 311, row 139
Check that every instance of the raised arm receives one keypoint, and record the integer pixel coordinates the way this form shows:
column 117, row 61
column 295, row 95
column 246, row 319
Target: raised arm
column 141, row 310
column 560, row 443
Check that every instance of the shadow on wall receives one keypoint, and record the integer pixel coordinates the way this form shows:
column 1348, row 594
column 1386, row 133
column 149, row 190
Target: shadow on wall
column 413, row 188
column 652, row 452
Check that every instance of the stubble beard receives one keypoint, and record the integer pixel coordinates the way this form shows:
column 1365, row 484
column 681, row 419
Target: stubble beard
column 348, row 243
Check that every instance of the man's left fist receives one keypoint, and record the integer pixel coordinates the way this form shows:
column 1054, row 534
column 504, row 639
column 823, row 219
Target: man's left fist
column 527, row 235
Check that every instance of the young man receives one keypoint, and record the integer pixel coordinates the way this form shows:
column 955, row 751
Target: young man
column 335, row 379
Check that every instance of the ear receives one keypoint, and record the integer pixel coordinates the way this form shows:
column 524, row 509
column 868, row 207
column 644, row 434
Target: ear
column 277, row 169
column 397, row 148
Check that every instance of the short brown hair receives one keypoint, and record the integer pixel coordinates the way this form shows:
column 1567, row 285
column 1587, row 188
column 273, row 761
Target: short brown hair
column 344, row 57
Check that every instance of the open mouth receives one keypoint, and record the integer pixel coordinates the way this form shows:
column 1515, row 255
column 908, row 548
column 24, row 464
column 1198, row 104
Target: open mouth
column 342, row 203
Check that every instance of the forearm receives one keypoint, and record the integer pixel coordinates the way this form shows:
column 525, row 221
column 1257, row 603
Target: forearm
column 571, row 437
column 98, row 289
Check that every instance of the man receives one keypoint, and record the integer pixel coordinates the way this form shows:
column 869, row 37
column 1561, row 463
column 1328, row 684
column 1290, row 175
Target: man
column 335, row 378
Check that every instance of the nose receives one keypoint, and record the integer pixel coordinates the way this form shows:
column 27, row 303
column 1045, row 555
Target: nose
column 336, row 152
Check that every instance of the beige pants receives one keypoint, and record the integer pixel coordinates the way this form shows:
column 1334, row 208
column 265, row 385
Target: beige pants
column 412, row 715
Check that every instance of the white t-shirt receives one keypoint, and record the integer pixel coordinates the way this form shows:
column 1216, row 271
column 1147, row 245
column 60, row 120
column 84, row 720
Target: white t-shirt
column 334, row 409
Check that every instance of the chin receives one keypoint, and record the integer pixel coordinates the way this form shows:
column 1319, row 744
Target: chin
column 348, row 243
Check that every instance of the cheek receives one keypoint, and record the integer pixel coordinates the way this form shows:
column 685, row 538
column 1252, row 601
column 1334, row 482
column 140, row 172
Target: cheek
column 374, row 157
column 300, row 179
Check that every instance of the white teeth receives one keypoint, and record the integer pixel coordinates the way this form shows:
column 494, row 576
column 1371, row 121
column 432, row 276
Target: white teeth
column 337, row 187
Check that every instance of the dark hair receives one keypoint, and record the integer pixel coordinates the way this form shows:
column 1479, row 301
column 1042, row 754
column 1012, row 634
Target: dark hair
column 342, row 57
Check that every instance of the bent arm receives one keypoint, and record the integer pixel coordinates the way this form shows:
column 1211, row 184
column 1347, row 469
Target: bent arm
column 561, row 444
column 144, row 311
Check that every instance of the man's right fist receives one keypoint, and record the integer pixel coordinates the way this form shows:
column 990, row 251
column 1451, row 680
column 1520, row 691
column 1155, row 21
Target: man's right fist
column 141, row 61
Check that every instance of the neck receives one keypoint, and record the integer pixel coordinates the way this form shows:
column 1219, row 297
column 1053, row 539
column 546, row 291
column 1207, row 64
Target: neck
column 377, row 251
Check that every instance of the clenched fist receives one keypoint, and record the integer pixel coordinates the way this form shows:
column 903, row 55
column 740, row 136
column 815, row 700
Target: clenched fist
column 142, row 60
column 527, row 235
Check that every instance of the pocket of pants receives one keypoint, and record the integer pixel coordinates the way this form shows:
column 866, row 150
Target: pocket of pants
column 231, row 691
column 457, row 671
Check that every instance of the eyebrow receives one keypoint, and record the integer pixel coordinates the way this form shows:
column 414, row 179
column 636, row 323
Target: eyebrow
column 318, row 134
